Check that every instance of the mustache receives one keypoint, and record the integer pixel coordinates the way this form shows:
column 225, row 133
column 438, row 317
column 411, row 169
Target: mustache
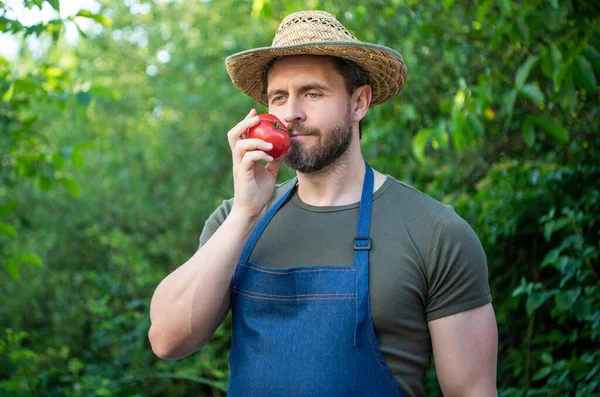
column 302, row 129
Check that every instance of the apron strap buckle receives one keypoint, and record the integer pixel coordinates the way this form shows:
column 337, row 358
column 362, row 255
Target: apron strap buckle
column 362, row 243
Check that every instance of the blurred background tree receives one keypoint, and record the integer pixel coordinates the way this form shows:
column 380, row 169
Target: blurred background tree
column 113, row 153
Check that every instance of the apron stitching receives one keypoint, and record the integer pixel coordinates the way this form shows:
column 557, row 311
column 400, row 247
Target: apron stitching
column 297, row 299
column 296, row 271
column 291, row 296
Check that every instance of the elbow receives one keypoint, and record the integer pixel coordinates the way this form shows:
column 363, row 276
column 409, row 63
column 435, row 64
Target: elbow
column 165, row 347
column 160, row 346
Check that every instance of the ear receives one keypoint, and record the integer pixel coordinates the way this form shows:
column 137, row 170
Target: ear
column 361, row 100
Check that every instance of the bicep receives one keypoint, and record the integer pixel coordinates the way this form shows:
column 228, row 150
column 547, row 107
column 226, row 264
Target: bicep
column 465, row 349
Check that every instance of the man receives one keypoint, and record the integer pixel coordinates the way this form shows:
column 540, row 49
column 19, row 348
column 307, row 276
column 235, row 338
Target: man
column 342, row 281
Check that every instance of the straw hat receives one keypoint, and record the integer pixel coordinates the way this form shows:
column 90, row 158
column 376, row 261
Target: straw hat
column 318, row 33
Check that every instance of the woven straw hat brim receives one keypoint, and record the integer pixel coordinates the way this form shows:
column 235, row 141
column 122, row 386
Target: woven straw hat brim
column 385, row 67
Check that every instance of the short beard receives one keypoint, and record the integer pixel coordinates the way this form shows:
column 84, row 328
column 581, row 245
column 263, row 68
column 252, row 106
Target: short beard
column 325, row 153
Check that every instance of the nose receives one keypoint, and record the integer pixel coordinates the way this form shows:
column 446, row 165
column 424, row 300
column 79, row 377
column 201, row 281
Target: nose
column 293, row 112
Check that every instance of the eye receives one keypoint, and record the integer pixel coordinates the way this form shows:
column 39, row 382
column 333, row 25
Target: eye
column 313, row 95
column 278, row 98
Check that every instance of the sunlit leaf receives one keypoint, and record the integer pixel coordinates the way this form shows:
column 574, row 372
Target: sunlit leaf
column 96, row 17
column 54, row 72
column 77, row 159
column 29, row 258
column 419, row 142
column 8, row 230
column 9, row 93
column 72, row 187
column 12, row 267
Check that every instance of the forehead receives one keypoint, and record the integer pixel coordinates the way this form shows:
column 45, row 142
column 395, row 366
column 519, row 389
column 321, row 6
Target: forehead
column 302, row 68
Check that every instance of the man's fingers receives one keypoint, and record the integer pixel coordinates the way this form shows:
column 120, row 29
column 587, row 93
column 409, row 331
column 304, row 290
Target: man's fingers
column 246, row 145
column 252, row 113
column 235, row 134
column 251, row 158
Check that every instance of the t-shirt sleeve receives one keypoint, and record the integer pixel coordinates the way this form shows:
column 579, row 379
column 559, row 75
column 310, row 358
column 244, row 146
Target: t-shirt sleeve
column 214, row 221
column 456, row 267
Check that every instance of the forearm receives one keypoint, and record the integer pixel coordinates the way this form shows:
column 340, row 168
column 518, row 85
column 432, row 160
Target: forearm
column 190, row 303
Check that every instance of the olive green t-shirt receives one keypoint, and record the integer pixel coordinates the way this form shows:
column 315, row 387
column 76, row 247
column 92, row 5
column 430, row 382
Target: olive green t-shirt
column 425, row 263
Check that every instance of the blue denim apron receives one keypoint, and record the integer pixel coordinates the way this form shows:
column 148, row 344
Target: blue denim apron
column 307, row 331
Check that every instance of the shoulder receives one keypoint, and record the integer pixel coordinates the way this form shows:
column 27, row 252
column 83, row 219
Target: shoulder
column 417, row 208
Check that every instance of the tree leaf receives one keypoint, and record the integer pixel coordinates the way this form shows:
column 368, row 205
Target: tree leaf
column 77, row 159
column 508, row 103
column 560, row 73
column 12, row 267
column 533, row 93
column 29, row 258
column 546, row 358
column 71, row 186
column 528, row 132
column 45, row 183
column 582, row 308
column 505, row 6
column 524, row 70
column 9, row 93
column 475, row 124
column 584, row 74
column 535, row 300
column 8, row 230
column 8, row 207
column 55, row 4
column 542, row 373
column 593, row 56
column 553, row 127
column 419, row 141
column 565, row 299
column 483, row 10
column 101, row 19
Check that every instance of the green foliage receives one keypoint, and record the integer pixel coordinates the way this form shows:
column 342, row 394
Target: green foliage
column 498, row 118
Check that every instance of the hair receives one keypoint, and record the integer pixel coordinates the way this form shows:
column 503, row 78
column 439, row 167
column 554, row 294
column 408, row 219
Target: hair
column 353, row 74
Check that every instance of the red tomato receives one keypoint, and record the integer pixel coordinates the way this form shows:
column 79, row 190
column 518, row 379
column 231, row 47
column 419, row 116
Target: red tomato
column 271, row 129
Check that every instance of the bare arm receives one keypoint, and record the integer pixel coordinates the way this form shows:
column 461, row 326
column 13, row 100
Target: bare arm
column 190, row 303
column 465, row 348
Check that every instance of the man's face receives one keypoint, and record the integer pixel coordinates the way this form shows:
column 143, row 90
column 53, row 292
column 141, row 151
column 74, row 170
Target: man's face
column 309, row 96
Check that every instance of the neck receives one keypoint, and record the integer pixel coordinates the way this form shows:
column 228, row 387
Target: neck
column 339, row 183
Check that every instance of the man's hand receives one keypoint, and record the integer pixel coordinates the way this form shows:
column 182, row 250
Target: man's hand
column 253, row 183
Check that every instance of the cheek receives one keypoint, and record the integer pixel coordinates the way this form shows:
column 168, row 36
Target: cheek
column 277, row 112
